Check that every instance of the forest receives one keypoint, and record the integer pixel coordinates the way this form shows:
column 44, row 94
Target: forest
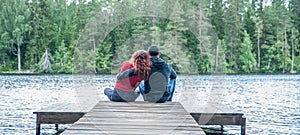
column 195, row 36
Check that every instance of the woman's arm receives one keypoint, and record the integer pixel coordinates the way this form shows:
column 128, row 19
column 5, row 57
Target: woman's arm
column 136, row 85
column 127, row 73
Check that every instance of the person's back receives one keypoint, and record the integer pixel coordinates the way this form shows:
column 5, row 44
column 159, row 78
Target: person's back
column 157, row 88
column 161, row 83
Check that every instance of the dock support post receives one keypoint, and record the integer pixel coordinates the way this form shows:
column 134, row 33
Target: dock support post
column 38, row 124
column 243, row 126
column 56, row 127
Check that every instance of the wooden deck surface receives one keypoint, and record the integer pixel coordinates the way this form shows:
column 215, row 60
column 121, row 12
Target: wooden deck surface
column 65, row 107
column 136, row 118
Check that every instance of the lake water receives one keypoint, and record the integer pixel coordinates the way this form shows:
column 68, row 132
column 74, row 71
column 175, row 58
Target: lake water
column 271, row 103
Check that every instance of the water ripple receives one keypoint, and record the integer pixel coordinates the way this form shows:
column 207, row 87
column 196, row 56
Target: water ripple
column 270, row 102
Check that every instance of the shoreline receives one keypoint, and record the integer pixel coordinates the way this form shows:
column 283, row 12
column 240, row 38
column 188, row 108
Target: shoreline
column 35, row 73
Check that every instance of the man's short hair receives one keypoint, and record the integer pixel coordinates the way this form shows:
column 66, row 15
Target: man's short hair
column 153, row 50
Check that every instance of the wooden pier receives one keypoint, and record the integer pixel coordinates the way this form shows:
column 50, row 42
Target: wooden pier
column 139, row 117
column 136, row 118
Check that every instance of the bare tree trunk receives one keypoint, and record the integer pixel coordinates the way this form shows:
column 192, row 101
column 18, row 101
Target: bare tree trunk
column 200, row 27
column 293, row 55
column 217, row 58
column 284, row 48
column 94, row 44
column 269, row 64
column 19, row 58
column 3, row 62
column 283, row 62
column 258, row 50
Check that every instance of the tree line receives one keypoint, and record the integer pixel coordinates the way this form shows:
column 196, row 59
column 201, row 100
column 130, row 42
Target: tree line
column 209, row 36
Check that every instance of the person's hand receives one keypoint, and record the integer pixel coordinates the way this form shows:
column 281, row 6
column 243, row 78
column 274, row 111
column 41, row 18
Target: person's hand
column 117, row 76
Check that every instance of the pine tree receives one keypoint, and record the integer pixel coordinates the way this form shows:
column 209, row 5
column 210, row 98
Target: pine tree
column 41, row 33
column 5, row 41
column 175, row 41
column 233, row 32
column 282, row 25
column 103, row 58
column 247, row 58
column 294, row 6
column 217, row 17
column 62, row 59
column 269, row 38
column 258, row 33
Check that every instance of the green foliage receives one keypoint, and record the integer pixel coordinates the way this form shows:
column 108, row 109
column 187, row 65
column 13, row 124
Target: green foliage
column 62, row 59
column 103, row 59
column 247, row 58
column 84, row 61
column 15, row 27
column 229, row 36
column 41, row 33
column 297, row 63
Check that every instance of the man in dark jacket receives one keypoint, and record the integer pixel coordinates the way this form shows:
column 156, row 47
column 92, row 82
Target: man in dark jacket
column 160, row 85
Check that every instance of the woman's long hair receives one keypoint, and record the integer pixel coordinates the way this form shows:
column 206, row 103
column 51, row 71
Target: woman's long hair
column 141, row 63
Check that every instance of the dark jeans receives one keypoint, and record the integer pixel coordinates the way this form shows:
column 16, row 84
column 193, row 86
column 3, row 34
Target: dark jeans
column 163, row 96
column 120, row 95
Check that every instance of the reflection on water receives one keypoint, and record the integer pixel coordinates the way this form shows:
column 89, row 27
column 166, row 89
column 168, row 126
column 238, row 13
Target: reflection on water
column 270, row 103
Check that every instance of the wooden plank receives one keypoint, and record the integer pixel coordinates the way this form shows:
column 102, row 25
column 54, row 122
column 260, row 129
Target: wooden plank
column 59, row 118
column 127, row 127
column 217, row 119
column 64, row 107
column 127, row 115
column 136, row 118
column 138, row 122
column 142, row 132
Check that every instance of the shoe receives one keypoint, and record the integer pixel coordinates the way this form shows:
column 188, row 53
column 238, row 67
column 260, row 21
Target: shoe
column 137, row 91
column 107, row 91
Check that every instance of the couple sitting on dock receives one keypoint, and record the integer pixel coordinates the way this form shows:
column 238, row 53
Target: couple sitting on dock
column 146, row 74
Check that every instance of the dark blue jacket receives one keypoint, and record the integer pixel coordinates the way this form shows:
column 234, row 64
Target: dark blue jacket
column 156, row 88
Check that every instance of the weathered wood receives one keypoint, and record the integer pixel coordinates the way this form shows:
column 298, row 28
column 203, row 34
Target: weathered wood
column 38, row 124
column 214, row 113
column 60, row 117
column 65, row 107
column 217, row 118
column 221, row 119
column 61, row 113
column 136, row 118
column 129, row 116
column 243, row 127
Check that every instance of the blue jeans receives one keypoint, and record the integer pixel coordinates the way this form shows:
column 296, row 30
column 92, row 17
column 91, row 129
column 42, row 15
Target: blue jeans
column 120, row 95
column 171, row 84
column 170, row 88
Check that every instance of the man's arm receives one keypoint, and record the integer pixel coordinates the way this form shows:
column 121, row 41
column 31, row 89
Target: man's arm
column 127, row 73
column 173, row 73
